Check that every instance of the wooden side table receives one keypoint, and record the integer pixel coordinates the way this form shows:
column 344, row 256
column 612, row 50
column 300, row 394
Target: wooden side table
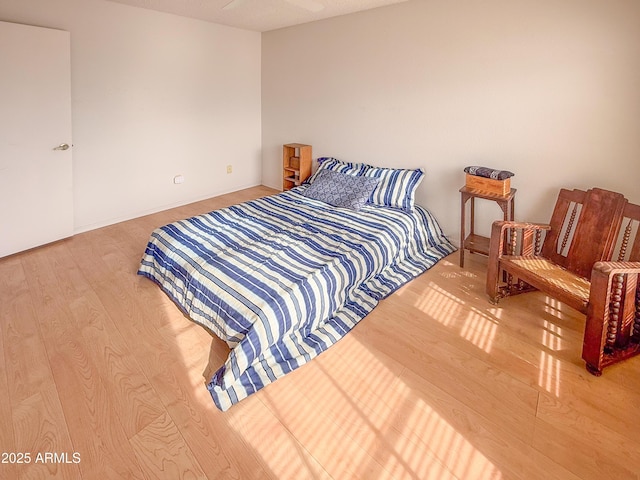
column 296, row 164
column 478, row 243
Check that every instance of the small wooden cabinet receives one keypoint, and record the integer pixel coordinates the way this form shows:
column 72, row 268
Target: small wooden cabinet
column 296, row 164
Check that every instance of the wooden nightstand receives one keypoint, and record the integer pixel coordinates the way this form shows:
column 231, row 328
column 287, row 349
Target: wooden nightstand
column 478, row 243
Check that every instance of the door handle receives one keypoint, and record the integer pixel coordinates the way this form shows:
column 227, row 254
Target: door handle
column 62, row 146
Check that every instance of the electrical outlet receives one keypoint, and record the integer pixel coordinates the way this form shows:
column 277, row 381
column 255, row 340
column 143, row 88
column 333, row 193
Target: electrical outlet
column 229, row 169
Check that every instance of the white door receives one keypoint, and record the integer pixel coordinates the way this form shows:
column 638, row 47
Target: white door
column 36, row 197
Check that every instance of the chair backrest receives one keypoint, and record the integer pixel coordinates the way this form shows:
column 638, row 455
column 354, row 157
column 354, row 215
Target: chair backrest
column 628, row 241
column 585, row 228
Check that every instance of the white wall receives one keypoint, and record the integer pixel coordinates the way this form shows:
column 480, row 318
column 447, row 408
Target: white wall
column 548, row 89
column 153, row 96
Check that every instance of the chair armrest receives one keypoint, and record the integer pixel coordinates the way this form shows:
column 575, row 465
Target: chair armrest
column 614, row 268
column 527, row 234
column 524, row 230
column 504, row 224
column 603, row 277
column 612, row 311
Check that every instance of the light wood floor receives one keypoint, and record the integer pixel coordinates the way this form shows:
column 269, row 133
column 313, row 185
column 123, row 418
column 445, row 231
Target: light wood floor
column 435, row 383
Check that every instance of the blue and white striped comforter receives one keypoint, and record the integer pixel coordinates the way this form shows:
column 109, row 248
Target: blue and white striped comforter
column 282, row 278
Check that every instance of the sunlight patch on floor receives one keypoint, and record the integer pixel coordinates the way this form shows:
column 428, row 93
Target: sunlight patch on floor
column 462, row 458
column 557, row 308
column 479, row 331
column 443, row 306
column 356, row 415
column 549, row 377
column 474, row 325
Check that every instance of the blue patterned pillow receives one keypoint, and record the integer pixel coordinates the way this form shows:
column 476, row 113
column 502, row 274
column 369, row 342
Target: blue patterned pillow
column 397, row 187
column 341, row 189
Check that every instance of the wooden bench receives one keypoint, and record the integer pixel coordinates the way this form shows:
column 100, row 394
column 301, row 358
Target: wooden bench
column 588, row 257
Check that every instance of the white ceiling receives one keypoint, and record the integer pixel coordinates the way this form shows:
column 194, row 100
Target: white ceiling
column 259, row 15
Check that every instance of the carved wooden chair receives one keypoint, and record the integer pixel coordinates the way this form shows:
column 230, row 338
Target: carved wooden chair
column 588, row 257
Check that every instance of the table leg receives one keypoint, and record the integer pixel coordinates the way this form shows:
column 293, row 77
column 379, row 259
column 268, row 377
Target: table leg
column 463, row 224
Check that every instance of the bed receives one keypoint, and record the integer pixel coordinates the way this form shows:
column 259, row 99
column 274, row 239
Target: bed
column 282, row 278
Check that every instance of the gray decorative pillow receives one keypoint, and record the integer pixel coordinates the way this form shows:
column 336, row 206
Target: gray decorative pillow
column 341, row 189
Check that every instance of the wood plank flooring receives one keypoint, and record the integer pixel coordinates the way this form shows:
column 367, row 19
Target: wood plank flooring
column 436, row 383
